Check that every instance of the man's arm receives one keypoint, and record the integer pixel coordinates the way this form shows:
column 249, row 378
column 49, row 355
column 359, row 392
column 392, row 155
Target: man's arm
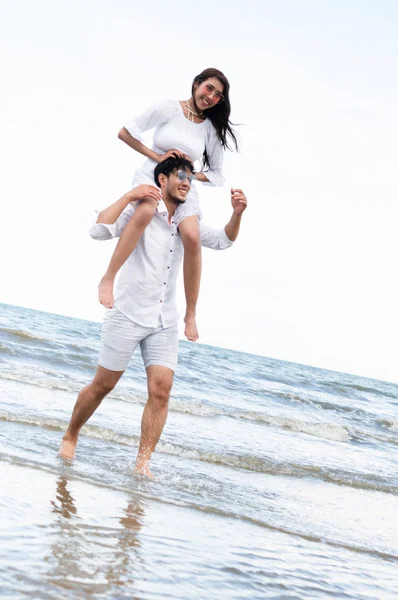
column 239, row 203
column 224, row 238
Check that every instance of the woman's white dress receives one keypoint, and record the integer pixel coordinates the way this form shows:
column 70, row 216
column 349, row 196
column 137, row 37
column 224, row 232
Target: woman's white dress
column 173, row 130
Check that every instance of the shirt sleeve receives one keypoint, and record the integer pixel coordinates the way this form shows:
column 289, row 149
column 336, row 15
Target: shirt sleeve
column 107, row 231
column 216, row 239
column 216, row 158
column 156, row 115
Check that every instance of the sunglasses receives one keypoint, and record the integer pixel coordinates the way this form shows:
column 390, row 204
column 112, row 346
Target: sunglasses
column 183, row 176
column 211, row 90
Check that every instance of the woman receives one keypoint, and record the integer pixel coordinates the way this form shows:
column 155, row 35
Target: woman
column 197, row 128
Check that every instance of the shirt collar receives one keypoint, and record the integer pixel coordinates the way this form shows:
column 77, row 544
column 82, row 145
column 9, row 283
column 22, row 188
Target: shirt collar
column 162, row 209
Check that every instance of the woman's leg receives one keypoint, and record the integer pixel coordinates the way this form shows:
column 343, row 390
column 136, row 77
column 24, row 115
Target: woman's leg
column 127, row 242
column 190, row 235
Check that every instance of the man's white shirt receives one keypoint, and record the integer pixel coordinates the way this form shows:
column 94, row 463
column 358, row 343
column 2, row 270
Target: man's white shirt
column 146, row 289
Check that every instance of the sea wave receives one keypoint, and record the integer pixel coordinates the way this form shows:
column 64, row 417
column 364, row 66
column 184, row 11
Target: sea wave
column 235, row 460
column 328, row 431
column 86, row 350
column 197, row 409
column 372, row 390
column 370, row 435
column 389, row 424
column 6, row 350
column 22, row 334
column 317, row 428
column 43, row 379
column 324, row 430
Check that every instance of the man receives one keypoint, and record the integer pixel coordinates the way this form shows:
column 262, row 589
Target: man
column 145, row 309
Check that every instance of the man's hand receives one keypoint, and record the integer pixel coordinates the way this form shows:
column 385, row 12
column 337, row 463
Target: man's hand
column 238, row 201
column 145, row 191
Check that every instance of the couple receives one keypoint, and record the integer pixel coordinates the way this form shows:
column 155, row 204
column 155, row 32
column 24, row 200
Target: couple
column 198, row 128
column 145, row 309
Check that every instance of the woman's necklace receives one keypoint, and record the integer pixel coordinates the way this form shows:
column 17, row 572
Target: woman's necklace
column 192, row 113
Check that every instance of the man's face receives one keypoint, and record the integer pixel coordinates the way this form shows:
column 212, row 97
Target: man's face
column 177, row 186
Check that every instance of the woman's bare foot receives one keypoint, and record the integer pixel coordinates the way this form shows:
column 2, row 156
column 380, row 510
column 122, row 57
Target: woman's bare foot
column 142, row 468
column 191, row 330
column 67, row 449
column 105, row 291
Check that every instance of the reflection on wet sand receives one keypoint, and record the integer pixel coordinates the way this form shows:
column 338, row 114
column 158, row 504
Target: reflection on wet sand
column 128, row 545
column 90, row 557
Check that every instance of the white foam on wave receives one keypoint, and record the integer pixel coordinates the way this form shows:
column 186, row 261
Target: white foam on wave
column 56, row 424
column 393, row 426
column 328, row 431
column 196, row 408
column 108, row 435
column 22, row 334
column 42, row 379
column 389, row 424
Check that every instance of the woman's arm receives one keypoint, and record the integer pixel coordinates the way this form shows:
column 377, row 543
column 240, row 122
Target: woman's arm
column 156, row 115
column 112, row 220
column 110, row 214
column 136, row 145
column 213, row 175
column 200, row 176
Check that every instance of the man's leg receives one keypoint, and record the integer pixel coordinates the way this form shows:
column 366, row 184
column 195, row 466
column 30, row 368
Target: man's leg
column 190, row 235
column 160, row 381
column 87, row 402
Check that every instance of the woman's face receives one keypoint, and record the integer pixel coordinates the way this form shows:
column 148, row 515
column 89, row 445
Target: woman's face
column 208, row 93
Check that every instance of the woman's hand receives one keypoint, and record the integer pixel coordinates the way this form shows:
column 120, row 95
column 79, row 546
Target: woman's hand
column 172, row 154
column 145, row 191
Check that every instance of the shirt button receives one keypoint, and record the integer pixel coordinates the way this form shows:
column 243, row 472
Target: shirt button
column 172, row 234
column 160, row 300
column 164, row 283
column 168, row 267
column 171, row 250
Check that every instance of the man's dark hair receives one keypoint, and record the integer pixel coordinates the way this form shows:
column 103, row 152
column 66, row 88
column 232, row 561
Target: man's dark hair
column 170, row 165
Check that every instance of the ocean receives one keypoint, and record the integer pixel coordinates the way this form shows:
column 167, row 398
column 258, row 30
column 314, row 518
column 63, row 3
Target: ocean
column 272, row 479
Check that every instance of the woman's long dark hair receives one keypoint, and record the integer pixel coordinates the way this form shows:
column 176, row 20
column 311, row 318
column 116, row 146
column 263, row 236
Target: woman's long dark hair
column 219, row 113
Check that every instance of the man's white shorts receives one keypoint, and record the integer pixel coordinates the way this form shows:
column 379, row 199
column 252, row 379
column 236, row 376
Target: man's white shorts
column 121, row 336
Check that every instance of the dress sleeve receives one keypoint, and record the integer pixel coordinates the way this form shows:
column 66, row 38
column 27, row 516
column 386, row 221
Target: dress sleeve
column 159, row 113
column 216, row 158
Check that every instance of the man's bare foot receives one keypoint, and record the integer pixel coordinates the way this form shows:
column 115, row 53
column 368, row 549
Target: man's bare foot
column 143, row 469
column 67, row 449
column 191, row 330
column 105, row 292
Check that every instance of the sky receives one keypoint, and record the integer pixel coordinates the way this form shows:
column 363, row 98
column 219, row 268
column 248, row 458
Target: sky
column 312, row 277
